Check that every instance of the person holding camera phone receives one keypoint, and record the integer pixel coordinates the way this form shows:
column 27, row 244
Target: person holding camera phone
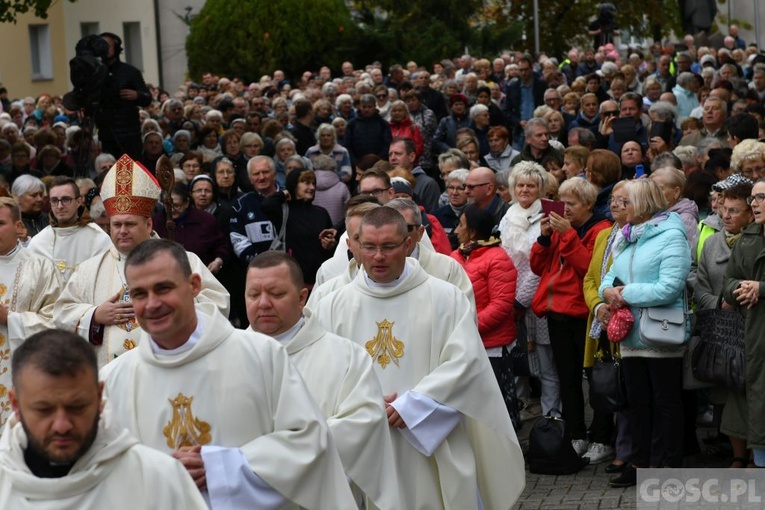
column 616, row 131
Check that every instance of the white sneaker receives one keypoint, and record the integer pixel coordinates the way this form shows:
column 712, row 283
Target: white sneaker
column 598, row 452
column 580, row 446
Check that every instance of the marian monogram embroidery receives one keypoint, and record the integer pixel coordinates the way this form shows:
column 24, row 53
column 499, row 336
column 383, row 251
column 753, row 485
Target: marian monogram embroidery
column 184, row 429
column 384, row 347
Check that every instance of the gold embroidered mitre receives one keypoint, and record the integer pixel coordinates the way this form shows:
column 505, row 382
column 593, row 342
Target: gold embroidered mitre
column 129, row 188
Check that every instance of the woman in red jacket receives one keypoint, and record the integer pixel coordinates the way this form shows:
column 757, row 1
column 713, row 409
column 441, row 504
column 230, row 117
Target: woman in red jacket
column 561, row 257
column 402, row 126
column 493, row 275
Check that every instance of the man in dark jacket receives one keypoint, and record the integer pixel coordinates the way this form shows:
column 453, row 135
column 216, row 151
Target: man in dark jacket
column 432, row 98
column 301, row 129
column 522, row 97
column 119, row 127
column 368, row 133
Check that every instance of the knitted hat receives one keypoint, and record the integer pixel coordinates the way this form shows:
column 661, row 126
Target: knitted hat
column 129, row 188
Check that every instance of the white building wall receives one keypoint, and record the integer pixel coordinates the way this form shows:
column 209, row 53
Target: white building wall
column 173, row 40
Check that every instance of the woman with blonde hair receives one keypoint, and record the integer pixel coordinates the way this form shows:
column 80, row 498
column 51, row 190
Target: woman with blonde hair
column 671, row 181
column 560, row 257
column 651, row 262
column 748, row 159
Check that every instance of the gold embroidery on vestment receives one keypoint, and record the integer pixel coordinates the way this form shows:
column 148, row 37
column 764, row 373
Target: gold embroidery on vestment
column 183, row 429
column 384, row 347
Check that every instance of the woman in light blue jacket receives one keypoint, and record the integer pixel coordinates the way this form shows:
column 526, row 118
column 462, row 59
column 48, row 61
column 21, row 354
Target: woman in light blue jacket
column 651, row 265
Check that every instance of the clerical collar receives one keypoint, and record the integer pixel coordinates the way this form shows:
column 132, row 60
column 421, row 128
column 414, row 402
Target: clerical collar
column 288, row 335
column 193, row 340
column 11, row 253
column 44, row 468
column 416, row 252
column 407, row 269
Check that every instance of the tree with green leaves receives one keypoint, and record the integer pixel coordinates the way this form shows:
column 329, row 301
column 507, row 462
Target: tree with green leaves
column 249, row 39
column 10, row 9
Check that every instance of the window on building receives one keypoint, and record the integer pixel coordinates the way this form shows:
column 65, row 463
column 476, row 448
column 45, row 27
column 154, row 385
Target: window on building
column 89, row 28
column 39, row 45
column 132, row 44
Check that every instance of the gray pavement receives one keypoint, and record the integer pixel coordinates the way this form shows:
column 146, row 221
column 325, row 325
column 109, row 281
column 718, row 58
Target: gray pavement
column 588, row 489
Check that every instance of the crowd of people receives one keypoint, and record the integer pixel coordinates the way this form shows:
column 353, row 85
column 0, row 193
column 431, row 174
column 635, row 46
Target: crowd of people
column 503, row 209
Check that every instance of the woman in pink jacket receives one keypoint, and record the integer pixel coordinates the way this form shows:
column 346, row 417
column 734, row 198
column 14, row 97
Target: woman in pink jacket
column 493, row 276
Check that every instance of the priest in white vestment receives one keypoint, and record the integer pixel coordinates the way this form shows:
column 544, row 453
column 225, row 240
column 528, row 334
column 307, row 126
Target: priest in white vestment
column 227, row 403
column 62, row 452
column 454, row 443
column 373, row 183
column 435, row 264
column 29, row 286
column 70, row 239
column 337, row 372
column 96, row 301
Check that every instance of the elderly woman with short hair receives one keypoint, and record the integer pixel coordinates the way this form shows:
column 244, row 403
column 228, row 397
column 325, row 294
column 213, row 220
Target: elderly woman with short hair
column 501, row 152
column 748, row 159
column 651, row 263
column 561, row 257
column 479, row 123
column 29, row 192
column 519, row 229
column 327, row 145
column 449, row 214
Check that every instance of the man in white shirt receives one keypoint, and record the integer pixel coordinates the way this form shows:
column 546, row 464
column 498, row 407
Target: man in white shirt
column 454, row 443
column 227, row 403
column 62, row 451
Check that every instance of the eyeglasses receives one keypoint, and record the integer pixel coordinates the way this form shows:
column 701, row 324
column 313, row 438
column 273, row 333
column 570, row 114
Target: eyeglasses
column 551, row 99
column 411, row 228
column 759, row 197
column 178, row 207
column 374, row 192
column 385, row 249
column 760, row 170
column 202, row 191
column 621, row 202
column 224, row 172
column 62, row 201
column 455, row 188
column 471, row 187
column 382, row 96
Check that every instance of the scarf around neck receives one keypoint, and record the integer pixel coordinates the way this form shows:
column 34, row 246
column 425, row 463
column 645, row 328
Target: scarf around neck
column 467, row 248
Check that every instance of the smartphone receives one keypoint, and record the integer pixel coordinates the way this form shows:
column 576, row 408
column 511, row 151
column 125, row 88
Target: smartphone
column 639, row 171
column 556, row 206
column 661, row 129
column 624, row 129
column 618, row 282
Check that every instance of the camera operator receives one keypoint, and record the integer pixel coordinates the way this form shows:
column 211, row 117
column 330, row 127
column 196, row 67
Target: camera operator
column 117, row 119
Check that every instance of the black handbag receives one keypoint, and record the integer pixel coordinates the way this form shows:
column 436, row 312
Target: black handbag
column 719, row 358
column 607, row 389
column 550, row 449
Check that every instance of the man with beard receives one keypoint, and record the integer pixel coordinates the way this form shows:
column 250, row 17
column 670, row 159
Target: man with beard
column 61, row 451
